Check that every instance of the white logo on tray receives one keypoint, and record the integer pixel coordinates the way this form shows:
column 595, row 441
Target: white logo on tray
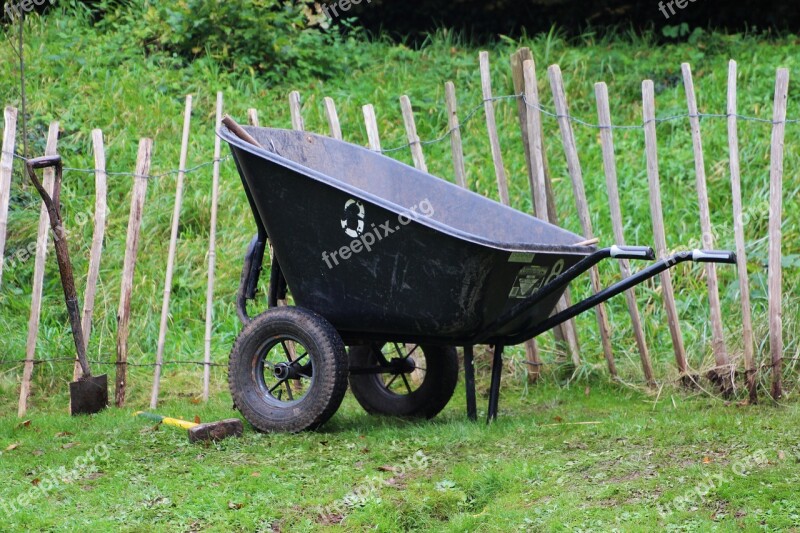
column 353, row 221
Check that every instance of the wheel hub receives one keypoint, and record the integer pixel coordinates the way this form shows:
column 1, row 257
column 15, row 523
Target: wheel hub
column 284, row 371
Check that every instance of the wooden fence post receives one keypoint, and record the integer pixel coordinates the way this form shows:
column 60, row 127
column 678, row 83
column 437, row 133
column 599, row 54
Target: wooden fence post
column 531, row 348
column 98, row 234
column 6, row 170
column 491, row 126
column 738, row 231
column 294, row 108
column 411, row 133
column 774, row 276
column 129, row 266
column 455, row 134
column 252, row 115
column 576, row 175
column 42, row 238
column 723, row 373
column 530, row 102
column 656, row 211
column 566, row 333
column 333, row 118
column 610, row 168
column 173, row 245
column 212, row 245
column 371, row 123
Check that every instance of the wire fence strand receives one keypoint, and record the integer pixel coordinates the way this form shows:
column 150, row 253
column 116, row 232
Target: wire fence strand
column 475, row 110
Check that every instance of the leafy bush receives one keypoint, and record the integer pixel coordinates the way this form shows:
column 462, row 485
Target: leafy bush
column 277, row 39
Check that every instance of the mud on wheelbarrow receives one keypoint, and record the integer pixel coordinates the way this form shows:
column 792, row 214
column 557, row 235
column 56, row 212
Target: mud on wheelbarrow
column 398, row 265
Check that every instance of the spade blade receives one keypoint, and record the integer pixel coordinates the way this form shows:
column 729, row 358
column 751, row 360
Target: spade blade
column 88, row 395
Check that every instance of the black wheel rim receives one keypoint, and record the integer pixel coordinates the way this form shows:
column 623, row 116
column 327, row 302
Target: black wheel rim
column 411, row 379
column 284, row 371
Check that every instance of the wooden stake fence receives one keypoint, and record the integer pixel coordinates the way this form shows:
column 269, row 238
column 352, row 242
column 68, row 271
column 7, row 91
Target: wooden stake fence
column 6, row 170
column 98, row 234
column 42, row 238
column 541, row 189
column 129, row 265
column 173, row 245
column 333, row 118
column 491, row 127
column 530, row 119
column 738, row 230
column 411, row 133
column 454, row 127
column 723, row 373
column 775, row 218
column 576, row 174
column 294, row 109
column 531, row 348
column 610, row 168
column 212, row 244
column 371, row 124
column 656, row 211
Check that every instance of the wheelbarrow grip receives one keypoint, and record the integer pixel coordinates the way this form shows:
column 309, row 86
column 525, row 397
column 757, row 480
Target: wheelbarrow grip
column 44, row 162
column 714, row 256
column 632, row 252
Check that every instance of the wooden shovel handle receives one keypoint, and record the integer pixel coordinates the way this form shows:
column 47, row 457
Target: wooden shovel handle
column 62, row 250
column 239, row 131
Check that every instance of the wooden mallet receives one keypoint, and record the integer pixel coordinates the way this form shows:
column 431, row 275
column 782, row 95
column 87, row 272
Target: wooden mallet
column 212, row 431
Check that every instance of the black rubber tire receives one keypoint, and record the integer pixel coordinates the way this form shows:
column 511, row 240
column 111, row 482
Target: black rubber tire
column 433, row 394
column 328, row 382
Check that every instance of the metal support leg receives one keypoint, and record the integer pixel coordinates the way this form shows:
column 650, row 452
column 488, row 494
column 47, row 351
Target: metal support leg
column 494, row 391
column 469, row 381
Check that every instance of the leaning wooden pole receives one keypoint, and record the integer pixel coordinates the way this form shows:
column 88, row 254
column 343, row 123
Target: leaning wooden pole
column 723, row 372
column 129, row 266
column 659, row 235
column 42, row 237
column 774, row 276
column 544, row 205
column 98, row 234
column 173, row 246
column 610, row 168
column 582, row 204
column 738, row 232
column 6, row 170
column 212, row 246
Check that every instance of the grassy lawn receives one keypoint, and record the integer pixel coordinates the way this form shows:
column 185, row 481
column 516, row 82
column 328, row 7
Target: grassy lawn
column 586, row 455
column 590, row 457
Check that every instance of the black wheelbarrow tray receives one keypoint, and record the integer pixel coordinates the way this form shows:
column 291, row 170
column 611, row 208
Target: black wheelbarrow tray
column 398, row 265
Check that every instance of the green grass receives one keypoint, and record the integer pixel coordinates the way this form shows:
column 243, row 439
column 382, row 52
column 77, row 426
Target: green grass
column 648, row 448
column 588, row 457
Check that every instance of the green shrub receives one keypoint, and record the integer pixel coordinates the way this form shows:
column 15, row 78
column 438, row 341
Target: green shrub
column 278, row 40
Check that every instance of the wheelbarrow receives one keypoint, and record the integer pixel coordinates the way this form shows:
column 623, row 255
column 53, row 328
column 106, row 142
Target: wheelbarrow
column 397, row 265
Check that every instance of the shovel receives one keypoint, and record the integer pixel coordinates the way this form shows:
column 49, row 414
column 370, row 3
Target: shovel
column 89, row 394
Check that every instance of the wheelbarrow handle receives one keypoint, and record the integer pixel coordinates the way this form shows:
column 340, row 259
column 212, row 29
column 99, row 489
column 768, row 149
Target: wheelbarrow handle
column 714, row 256
column 632, row 252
